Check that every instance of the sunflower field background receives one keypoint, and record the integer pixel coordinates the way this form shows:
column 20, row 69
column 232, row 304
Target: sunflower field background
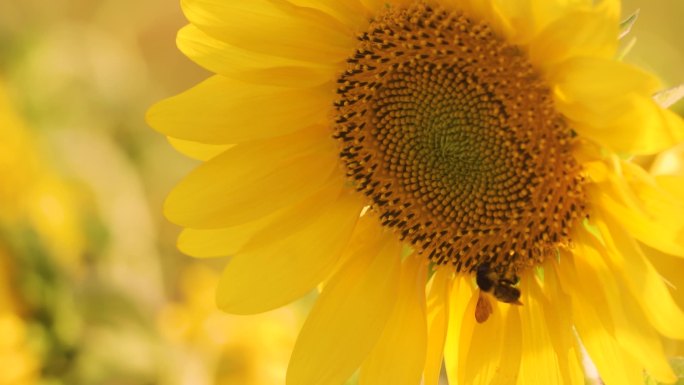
column 92, row 287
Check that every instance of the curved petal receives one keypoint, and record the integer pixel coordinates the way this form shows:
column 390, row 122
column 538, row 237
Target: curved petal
column 643, row 281
column 649, row 212
column 579, row 33
column 197, row 150
column 209, row 243
column 229, row 111
column 286, row 263
column 459, row 299
column 351, row 13
column 508, row 371
column 249, row 66
column 620, row 313
column 610, row 102
column 670, row 268
column 274, row 27
column 561, row 330
column 586, row 80
column 473, row 349
column 594, row 326
column 547, row 354
column 481, row 345
column 517, row 20
column 670, row 164
column 438, row 318
column 252, row 180
column 349, row 316
column 520, row 21
column 398, row 357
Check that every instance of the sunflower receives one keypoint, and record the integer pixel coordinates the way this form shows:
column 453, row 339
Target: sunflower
column 454, row 176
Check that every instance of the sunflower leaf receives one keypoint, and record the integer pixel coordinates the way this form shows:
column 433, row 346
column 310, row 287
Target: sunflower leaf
column 670, row 96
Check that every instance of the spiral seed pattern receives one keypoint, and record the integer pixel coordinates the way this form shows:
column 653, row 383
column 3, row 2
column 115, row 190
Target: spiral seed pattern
column 454, row 137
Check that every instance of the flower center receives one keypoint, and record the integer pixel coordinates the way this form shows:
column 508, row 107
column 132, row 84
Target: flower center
column 454, row 137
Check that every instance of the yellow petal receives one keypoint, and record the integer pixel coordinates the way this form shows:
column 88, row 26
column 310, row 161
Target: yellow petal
column 643, row 128
column 539, row 363
column 285, row 265
column 672, row 184
column 473, row 351
column 671, row 163
column 511, row 349
column 196, row 150
column 438, row 318
column 274, row 27
column 481, row 345
column 249, row 66
column 220, row 242
column 351, row 13
column 459, row 299
column 644, row 282
column 398, row 357
column 610, row 102
column 518, row 20
column 594, row 326
column 521, row 20
column 585, row 80
column 580, row 33
column 349, row 316
column 252, row 180
column 558, row 316
column 639, row 339
column 628, row 323
column 548, row 355
column 670, row 267
column 649, row 212
column 224, row 111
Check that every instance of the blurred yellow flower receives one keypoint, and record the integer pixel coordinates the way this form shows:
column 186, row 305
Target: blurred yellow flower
column 32, row 194
column 453, row 172
column 18, row 160
column 19, row 364
column 231, row 350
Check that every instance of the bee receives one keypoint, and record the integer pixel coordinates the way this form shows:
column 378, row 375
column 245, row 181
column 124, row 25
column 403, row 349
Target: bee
column 500, row 285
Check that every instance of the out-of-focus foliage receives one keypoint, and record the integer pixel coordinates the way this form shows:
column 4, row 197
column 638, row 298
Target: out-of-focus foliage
column 92, row 289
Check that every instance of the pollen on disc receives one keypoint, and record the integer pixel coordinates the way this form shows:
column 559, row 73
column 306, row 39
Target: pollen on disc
column 454, row 137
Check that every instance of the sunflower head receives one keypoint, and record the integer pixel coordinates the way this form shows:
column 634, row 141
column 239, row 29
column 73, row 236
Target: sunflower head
column 431, row 163
column 454, row 136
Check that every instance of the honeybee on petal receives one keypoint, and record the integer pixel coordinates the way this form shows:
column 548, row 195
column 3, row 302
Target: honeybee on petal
column 497, row 284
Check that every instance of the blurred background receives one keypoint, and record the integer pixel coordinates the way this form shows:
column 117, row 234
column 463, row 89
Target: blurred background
column 92, row 288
